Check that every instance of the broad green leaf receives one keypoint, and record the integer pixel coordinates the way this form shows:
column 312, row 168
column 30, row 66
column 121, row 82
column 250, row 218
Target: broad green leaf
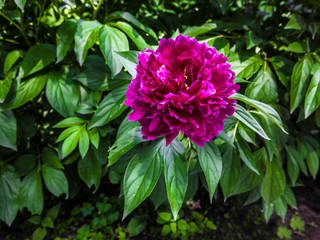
column 211, row 164
column 264, row 87
column 136, row 225
column 292, row 164
column 193, row 184
column 252, row 39
column 142, row 175
column 70, row 143
column 90, row 170
column 283, row 68
column 299, row 81
column 246, row 156
column 54, row 211
column 247, row 134
column 111, row 41
column 127, row 139
column 297, row 47
column 20, row 4
column 312, row 160
column 249, row 179
column 288, row 195
column 26, row 91
column 47, row 222
column 5, row 85
column 266, row 109
column 246, row 118
column 69, row 122
column 9, row 187
column 37, row 58
column 39, row 234
column 129, row 60
column 24, row 164
column 62, row 94
column 50, row 158
column 274, row 182
column 55, row 180
column 132, row 19
column 221, row 44
column 231, row 169
column 159, row 194
column 30, row 194
column 64, row 38
column 312, row 100
column 198, row 30
column 110, row 107
column 8, row 130
column 280, row 206
column 225, row 5
column 96, row 75
column 132, row 34
column 267, row 210
column 296, row 22
column 85, row 37
column 84, row 142
column 66, row 133
column 94, row 137
column 11, row 59
column 243, row 66
column 175, row 174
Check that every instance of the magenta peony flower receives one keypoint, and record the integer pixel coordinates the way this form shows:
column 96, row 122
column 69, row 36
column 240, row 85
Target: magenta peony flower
column 182, row 86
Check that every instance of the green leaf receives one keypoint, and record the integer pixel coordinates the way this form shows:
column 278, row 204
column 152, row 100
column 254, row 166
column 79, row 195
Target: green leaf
column 141, row 175
column 296, row 22
column 243, row 66
column 267, row 210
column 198, row 30
column 54, row 212
column 266, row 109
column 175, row 174
column 312, row 100
column 264, row 87
column 85, row 37
column 288, row 195
column 247, row 134
column 37, row 58
column 8, row 130
column 11, row 59
column 274, row 182
column 55, row 180
column 5, row 85
column 299, row 81
column 84, row 142
column 159, row 194
column 66, row 133
column 24, row 164
column 64, row 38
column 130, row 137
column 136, row 225
column 312, row 161
column 20, row 4
column 211, row 164
column 246, row 156
column 69, row 122
column 132, row 19
column 9, row 187
column 113, row 40
column 297, row 47
column 90, row 170
column 225, row 5
column 62, row 95
column 246, row 118
column 70, row 143
column 280, row 206
column 292, row 164
column 47, row 222
column 283, row 68
column 50, row 158
column 221, row 44
column 30, row 194
column 252, row 39
column 129, row 60
column 110, row 107
column 26, row 91
column 39, row 234
column 132, row 34
column 94, row 137
column 95, row 75
column 231, row 169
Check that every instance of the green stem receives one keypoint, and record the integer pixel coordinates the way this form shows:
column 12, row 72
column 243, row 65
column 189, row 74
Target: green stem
column 96, row 9
column 39, row 19
column 17, row 26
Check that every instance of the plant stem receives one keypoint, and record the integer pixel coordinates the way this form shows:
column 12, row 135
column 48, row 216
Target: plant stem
column 96, row 9
column 17, row 26
column 39, row 19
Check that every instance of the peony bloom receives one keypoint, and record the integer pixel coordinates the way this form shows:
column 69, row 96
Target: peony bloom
column 182, row 86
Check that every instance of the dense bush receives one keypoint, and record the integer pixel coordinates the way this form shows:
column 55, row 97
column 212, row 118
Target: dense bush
column 65, row 67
